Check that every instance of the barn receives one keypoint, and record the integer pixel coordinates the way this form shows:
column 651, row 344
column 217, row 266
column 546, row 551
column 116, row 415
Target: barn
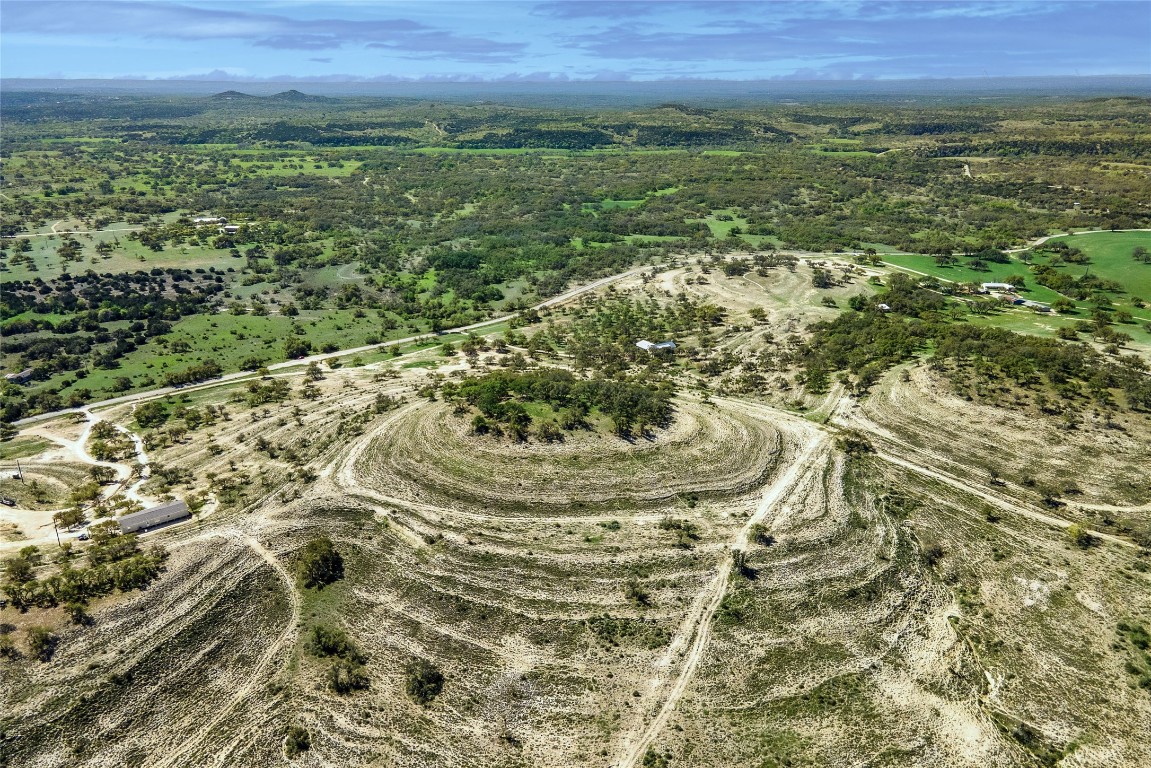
column 153, row 517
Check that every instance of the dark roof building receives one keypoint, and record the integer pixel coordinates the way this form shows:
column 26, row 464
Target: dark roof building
column 153, row 517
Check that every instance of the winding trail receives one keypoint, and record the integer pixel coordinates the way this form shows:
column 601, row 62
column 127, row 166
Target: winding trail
column 1016, row 508
column 692, row 637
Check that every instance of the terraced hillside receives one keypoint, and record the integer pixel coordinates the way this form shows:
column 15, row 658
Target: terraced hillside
column 776, row 578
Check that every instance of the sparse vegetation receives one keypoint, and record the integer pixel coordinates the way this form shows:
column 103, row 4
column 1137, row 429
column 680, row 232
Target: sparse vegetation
column 931, row 539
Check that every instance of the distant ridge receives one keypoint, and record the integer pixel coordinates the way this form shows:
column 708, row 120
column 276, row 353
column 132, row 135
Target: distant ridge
column 294, row 95
column 233, row 95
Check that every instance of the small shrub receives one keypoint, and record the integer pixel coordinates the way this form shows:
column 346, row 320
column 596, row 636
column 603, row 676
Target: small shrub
column 41, row 643
column 345, row 676
column 424, row 681
column 320, row 563
column 760, row 535
column 637, row 593
column 653, row 759
column 933, row 554
column 8, row 648
column 1081, row 537
column 333, row 641
column 297, row 740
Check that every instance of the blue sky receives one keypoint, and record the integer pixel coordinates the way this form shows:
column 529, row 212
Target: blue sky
column 570, row 40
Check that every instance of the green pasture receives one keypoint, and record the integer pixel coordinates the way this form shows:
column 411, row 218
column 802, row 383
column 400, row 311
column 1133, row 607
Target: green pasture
column 23, row 447
column 128, row 256
column 653, row 239
column 1023, row 320
column 229, row 340
column 296, row 167
column 820, row 150
column 1110, row 254
column 721, row 229
column 961, row 273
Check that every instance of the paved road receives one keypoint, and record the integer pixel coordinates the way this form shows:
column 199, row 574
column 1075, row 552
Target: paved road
column 303, row 361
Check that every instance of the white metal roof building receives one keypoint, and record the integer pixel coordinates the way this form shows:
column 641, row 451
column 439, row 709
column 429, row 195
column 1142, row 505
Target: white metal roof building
column 154, row 516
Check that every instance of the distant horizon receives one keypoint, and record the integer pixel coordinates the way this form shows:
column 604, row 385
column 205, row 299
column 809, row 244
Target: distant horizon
column 617, row 94
column 389, row 80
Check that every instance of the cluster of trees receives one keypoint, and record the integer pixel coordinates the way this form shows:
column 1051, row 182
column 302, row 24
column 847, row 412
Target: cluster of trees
column 500, row 397
column 346, row 673
column 867, row 340
column 442, row 237
column 115, row 563
column 1082, row 288
column 104, row 318
column 536, row 138
column 601, row 335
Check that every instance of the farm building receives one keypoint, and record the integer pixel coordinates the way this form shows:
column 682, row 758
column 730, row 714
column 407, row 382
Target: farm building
column 150, row 518
column 23, row 377
column 999, row 287
column 209, row 220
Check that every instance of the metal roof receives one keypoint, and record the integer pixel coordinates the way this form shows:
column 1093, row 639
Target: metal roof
column 164, row 513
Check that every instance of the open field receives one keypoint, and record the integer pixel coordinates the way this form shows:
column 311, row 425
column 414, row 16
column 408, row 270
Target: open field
column 1110, row 254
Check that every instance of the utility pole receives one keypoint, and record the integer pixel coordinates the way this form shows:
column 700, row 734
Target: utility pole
column 57, row 530
column 19, row 470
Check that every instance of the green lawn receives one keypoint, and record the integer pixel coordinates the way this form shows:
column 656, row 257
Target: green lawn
column 1110, row 254
column 960, row 273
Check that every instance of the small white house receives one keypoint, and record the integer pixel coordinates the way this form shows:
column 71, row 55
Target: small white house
column 1008, row 287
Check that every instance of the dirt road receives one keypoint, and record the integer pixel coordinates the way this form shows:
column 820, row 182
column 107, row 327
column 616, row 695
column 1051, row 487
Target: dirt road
column 695, row 630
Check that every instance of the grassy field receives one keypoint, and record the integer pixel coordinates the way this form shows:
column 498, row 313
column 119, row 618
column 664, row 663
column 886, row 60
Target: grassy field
column 23, row 447
column 960, row 273
column 231, row 339
column 1110, row 254
column 721, row 229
